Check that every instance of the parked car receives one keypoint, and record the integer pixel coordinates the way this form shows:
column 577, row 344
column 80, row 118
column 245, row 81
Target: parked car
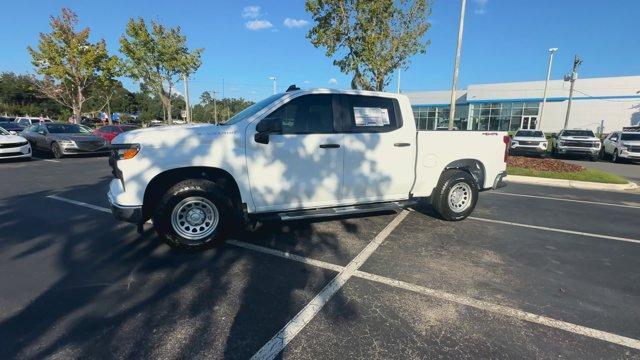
column 13, row 146
column 63, row 139
column 299, row 154
column 6, row 119
column 621, row 145
column 28, row 121
column 528, row 142
column 12, row 127
column 108, row 132
column 576, row 142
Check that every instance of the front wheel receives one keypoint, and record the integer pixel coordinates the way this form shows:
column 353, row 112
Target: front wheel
column 56, row 150
column 614, row 157
column 456, row 195
column 194, row 215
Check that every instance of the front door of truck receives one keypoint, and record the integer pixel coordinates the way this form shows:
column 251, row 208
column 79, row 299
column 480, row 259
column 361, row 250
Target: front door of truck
column 302, row 166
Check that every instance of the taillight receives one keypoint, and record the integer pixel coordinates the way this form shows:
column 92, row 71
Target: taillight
column 506, row 140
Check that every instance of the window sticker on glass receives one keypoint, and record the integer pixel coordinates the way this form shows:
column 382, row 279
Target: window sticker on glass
column 371, row 116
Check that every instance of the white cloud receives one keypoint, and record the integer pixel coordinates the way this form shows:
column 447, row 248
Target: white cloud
column 333, row 81
column 295, row 23
column 251, row 12
column 482, row 7
column 308, row 82
column 258, row 24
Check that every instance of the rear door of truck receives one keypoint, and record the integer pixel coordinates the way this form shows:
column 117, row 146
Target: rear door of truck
column 379, row 154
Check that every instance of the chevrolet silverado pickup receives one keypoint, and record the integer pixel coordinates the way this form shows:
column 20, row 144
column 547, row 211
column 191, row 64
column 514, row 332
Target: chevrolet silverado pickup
column 298, row 154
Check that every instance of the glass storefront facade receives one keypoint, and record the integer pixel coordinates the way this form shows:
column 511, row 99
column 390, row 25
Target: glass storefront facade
column 501, row 116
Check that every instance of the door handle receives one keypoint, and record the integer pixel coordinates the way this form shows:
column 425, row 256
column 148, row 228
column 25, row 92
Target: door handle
column 329, row 146
column 401, row 144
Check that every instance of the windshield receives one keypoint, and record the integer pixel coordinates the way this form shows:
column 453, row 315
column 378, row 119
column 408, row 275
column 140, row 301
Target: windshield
column 631, row 136
column 253, row 109
column 67, row 129
column 3, row 131
column 578, row 133
column 530, row 133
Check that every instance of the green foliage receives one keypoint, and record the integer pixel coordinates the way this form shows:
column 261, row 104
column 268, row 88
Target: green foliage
column 158, row 57
column 70, row 64
column 225, row 108
column 372, row 38
column 591, row 175
column 19, row 96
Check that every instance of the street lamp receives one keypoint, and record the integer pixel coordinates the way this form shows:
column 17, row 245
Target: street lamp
column 546, row 83
column 273, row 78
column 456, row 66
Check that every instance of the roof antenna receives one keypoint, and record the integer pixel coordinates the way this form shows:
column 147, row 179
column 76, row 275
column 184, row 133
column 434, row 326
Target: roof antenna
column 292, row 88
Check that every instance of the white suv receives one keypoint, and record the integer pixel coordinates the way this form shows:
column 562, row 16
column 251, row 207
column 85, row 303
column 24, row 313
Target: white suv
column 576, row 142
column 528, row 142
column 621, row 145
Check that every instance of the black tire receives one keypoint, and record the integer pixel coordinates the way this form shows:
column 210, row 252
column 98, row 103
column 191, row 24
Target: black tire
column 593, row 158
column 614, row 156
column 554, row 152
column 440, row 198
column 194, row 189
column 56, row 150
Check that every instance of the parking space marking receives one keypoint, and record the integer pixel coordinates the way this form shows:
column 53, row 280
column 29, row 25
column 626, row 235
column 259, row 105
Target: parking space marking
column 506, row 311
column 274, row 346
column 286, row 255
column 581, row 233
column 569, row 200
column 80, row 203
column 314, row 307
column 50, row 160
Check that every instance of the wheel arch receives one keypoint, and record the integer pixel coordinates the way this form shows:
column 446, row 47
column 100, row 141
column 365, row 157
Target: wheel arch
column 474, row 167
column 166, row 179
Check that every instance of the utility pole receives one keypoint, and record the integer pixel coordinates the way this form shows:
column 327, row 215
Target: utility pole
column 274, row 84
column 456, row 66
column 215, row 109
column 185, row 79
column 546, row 83
column 574, row 75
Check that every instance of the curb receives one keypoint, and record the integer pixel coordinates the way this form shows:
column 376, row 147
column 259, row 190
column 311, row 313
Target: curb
column 584, row 185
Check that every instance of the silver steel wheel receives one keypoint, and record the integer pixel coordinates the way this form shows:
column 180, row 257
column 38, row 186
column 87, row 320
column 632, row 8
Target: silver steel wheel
column 195, row 218
column 460, row 197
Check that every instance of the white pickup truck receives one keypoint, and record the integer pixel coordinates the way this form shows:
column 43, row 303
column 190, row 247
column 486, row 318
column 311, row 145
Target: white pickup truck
column 298, row 154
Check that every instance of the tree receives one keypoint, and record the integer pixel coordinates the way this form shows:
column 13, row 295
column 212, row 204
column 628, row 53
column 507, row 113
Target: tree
column 158, row 58
column 372, row 37
column 69, row 64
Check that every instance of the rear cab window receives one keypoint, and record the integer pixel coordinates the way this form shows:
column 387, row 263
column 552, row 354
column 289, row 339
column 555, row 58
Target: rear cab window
column 369, row 113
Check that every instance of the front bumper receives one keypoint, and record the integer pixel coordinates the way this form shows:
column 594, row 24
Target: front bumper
column 534, row 150
column 77, row 151
column 578, row 150
column 21, row 152
column 132, row 214
column 629, row 155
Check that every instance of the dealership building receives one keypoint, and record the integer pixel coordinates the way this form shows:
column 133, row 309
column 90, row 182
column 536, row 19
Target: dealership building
column 613, row 102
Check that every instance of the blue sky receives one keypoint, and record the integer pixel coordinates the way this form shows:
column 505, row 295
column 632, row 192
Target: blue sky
column 246, row 42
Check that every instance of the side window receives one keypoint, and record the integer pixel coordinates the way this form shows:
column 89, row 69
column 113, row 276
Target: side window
column 307, row 114
column 370, row 114
column 614, row 137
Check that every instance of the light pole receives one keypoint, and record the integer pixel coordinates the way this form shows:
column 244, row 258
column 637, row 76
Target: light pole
column 452, row 111
column 546, row 83
column 574, row 75
column 273, row 78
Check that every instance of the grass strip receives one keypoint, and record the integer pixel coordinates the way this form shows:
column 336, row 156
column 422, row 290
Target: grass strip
column 590, row 175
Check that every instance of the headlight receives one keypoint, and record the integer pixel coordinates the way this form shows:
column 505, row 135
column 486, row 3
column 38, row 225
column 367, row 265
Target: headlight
column 125, row 151
column 560, row 143
column 514, row 143
column 67, row 143
column 543, row 144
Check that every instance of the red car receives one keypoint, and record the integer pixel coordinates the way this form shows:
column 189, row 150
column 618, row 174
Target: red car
column 108, row 132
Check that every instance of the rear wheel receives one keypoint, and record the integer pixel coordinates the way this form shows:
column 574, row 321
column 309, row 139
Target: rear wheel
column 194, row 215
column 456, row 195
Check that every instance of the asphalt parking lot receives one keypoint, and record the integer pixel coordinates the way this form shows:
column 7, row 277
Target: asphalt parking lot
column 537, row 272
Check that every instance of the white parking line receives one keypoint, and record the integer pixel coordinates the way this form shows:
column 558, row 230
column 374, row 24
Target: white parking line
column 581, row 233
column 274, row 346
column 50, row 160
column 79, row 203
column 568, row 200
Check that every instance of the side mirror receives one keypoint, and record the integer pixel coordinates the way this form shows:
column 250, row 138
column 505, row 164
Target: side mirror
column 267, row 127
